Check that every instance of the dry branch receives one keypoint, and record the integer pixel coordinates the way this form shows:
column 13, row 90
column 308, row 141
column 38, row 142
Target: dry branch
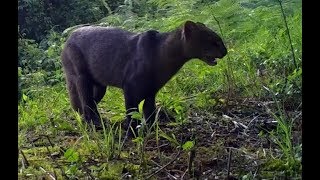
column 157, row 171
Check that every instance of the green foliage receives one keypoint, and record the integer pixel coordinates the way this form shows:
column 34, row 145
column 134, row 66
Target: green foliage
column 19, row 84
column 71, row 155
column 187, row 146
column 33, row 113
column 52, row 63
column 31, row 14
column 136, row 115
column 290, row 162
column 29, row 56
column 38, row 67
column 37, row 18
column 172, row 139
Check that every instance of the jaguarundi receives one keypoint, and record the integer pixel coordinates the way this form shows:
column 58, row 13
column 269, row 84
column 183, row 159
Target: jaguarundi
column 139, row 63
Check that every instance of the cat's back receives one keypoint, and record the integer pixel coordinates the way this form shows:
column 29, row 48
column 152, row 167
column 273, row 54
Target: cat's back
column 100, row 34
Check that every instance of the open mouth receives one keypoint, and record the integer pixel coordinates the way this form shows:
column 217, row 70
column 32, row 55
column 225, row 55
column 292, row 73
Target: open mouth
column 211, row 61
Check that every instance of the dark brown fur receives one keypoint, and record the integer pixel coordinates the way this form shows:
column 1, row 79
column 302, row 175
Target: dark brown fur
column 139, row 63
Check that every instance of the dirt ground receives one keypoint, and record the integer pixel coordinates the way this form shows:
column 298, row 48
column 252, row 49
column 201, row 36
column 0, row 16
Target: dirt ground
column 229, row 144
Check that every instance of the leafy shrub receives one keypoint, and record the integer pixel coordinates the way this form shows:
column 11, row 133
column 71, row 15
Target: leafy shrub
column 37, row 67
column 30, row 56
column 37, row 17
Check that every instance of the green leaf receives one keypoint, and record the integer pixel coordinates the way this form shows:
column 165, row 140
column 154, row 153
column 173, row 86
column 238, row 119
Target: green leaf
column 172, row 140
column 188, row 145
column 136, row 115
column 71, row 155
column 72, row 169
column 24, row 97
column 141, row 106
column 138, row 140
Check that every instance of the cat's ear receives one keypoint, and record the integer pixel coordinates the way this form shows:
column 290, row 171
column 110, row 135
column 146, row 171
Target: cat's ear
column 188, row 28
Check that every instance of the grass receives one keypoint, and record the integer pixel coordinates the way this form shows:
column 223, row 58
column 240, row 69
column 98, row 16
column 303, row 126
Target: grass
column 289, row 160
column 106, row 151
column 208, row 105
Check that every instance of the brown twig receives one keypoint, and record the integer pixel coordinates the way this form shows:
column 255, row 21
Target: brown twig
column 87, row 170
column 50, row 175
column 171, row 176
column 46, row 136
column 241, row 151
column 248, row 125
column 229, row 162
column 62, row 172
column 154, row 148
column 24, row 159
column 185, row 172
column 157, row 171
column 191, row 159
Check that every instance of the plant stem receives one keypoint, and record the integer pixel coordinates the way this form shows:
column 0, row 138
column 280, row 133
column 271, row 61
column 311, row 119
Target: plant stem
column 286, row 23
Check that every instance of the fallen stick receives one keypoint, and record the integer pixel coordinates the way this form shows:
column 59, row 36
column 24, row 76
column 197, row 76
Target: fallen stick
column 157, row 171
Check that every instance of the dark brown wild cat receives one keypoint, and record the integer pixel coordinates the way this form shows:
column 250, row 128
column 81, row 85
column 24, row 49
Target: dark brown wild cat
column 139, row 63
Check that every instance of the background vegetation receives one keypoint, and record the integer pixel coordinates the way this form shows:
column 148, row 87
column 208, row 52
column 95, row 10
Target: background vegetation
column 262, row 71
